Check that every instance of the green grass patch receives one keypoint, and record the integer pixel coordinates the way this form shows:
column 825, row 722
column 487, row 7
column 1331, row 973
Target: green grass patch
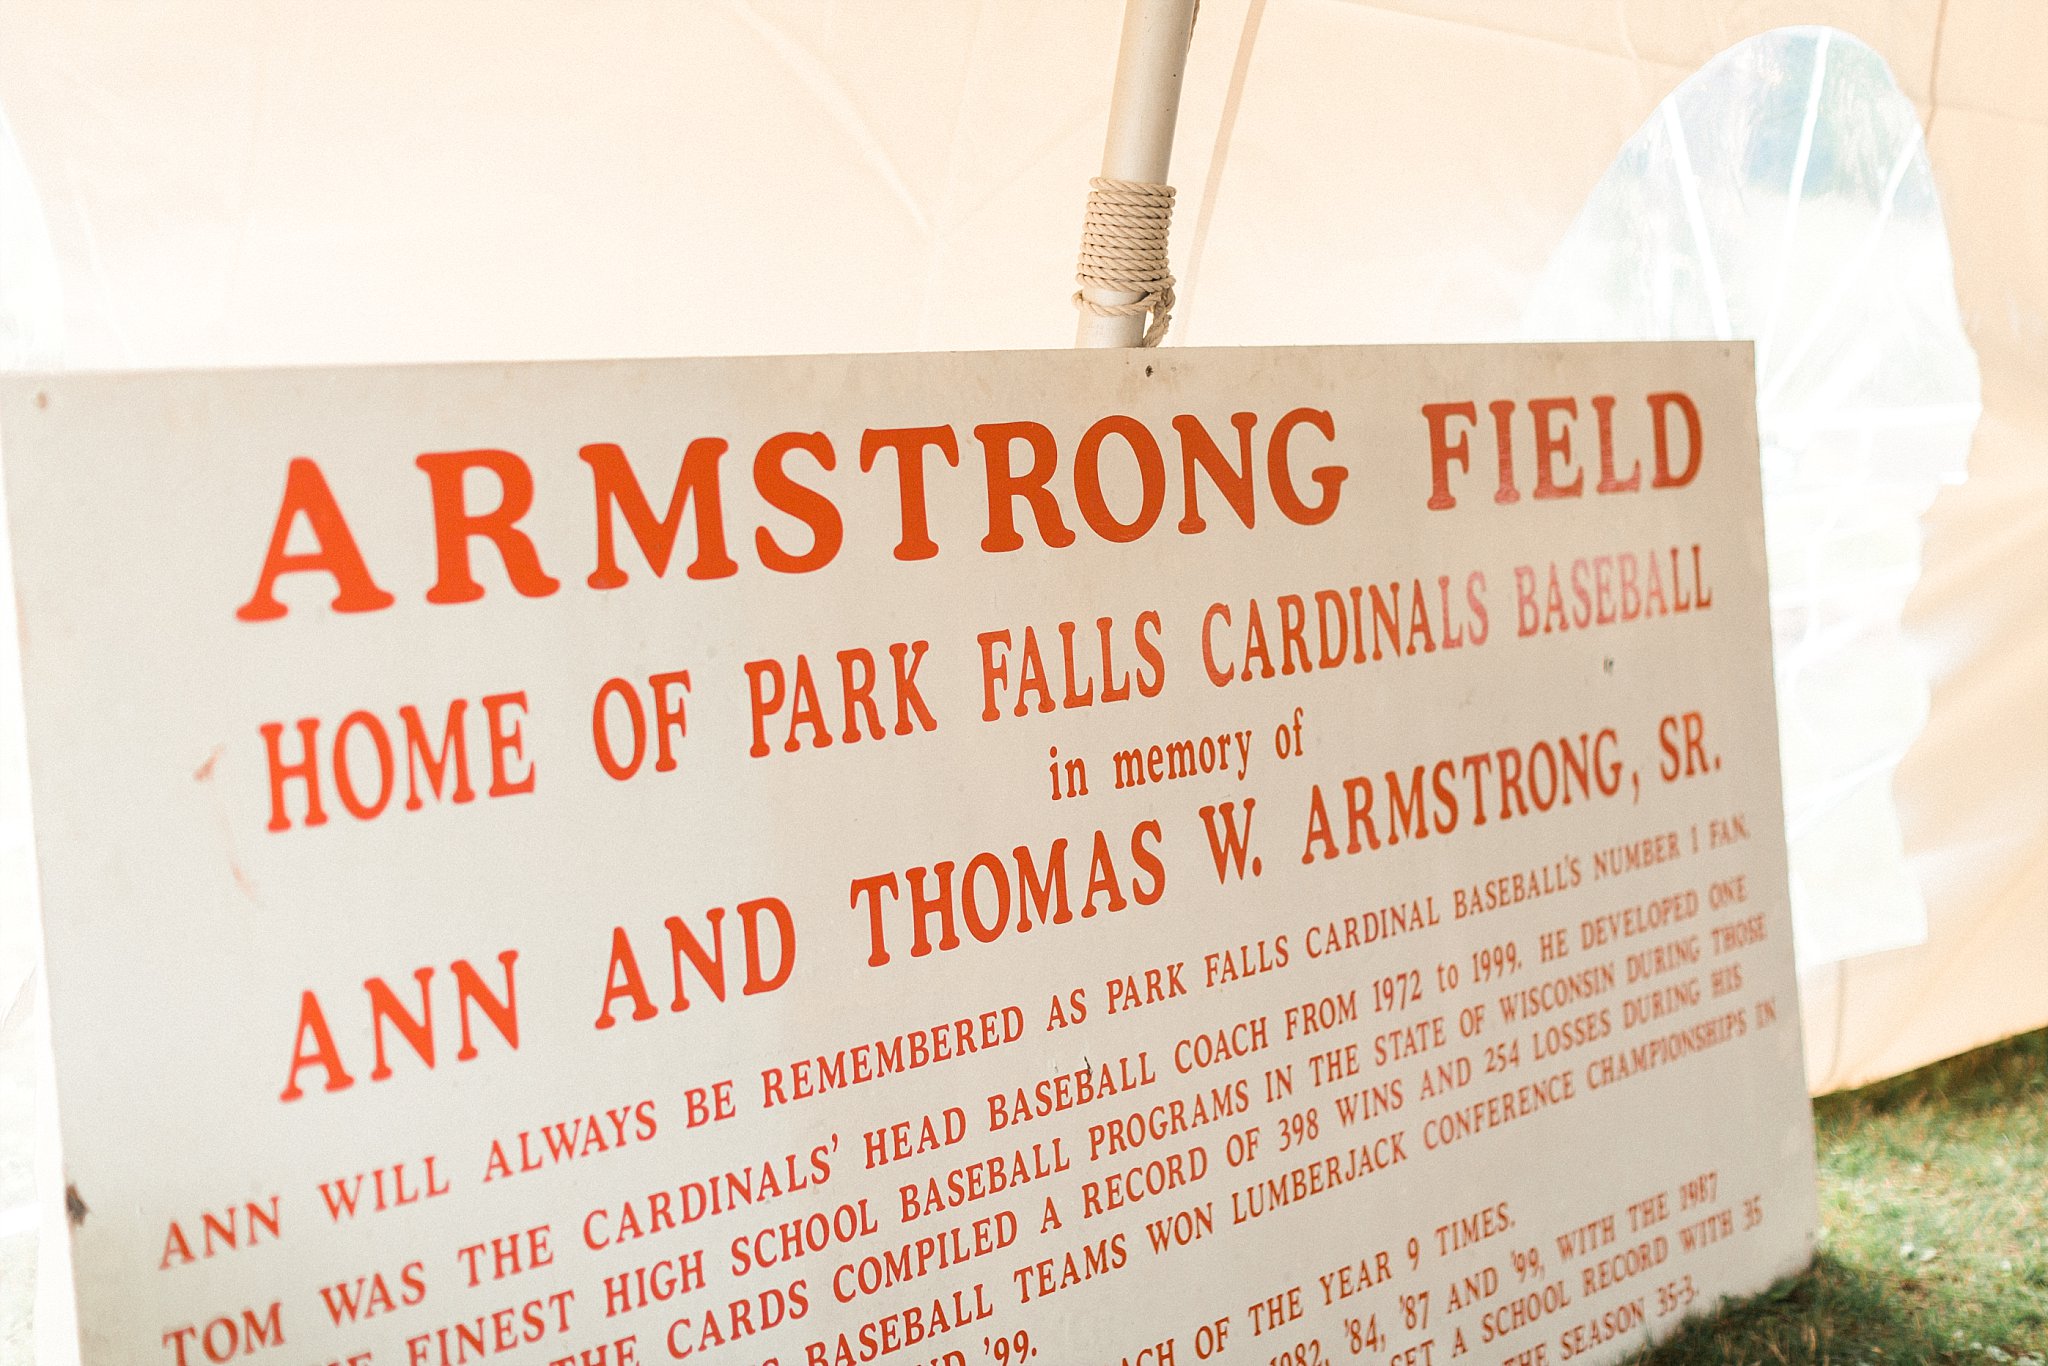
column 1934, row 1228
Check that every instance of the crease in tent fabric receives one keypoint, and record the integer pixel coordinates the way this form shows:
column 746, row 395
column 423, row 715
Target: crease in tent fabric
column 946, row 219
column 1936, row 985
column 1825, row 1082
column 2026, row 524
column 1621, row 28
column 1794, row 196
column 1934, row 70
column 1219, row 153
column 1631, row 54
column 1123, row 251
column 2033, row 123
column 255, row 132
column 110, row 297
column 831, row 93
column 1696, row 219
column 1055, row 140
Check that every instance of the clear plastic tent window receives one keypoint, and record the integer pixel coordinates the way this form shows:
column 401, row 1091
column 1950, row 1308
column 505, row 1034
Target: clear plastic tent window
column 1784, row 193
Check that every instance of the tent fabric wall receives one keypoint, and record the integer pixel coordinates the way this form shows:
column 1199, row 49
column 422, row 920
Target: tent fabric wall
column 303, row 181
column 1462, row 150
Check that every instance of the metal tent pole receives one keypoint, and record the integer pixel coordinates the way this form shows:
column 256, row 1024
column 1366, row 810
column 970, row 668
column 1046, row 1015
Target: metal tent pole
column 1139, row 146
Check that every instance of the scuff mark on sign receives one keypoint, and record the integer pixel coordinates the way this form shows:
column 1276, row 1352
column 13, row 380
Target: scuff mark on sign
column 204, row 774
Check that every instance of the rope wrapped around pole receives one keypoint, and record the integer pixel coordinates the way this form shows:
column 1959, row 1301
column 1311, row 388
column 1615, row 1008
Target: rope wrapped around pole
column 1123, row 251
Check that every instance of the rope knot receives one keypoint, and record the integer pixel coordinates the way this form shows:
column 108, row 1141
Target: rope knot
column 1123, row 251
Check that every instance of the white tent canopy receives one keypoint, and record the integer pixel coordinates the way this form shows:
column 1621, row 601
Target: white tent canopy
column 247, row 182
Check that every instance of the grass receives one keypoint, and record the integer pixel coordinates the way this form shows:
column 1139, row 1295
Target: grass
column 1934, row 1242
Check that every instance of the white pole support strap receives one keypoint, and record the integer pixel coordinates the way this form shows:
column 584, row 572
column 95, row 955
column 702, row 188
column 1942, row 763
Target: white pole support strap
column 1126, row 293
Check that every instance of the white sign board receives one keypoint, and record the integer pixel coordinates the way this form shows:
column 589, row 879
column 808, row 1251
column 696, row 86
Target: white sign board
column 1267, row 856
